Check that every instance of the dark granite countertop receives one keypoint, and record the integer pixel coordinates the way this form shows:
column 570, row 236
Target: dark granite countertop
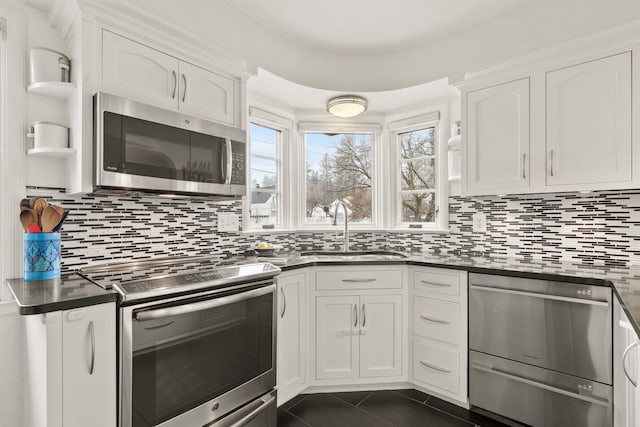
column 625, row 281
column 68, row 292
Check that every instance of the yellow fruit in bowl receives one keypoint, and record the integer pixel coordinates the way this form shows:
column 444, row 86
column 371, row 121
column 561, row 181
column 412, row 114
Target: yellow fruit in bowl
column 262, row 245
column 270, row 246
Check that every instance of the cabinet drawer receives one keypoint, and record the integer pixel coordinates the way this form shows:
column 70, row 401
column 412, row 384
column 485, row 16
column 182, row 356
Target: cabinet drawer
column 439, row 320
column 359, row 279
column 436, row 282
column 436, row 366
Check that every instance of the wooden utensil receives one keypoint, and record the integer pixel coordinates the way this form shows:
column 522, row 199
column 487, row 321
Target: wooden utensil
column 38, row 205
column 50, row 218
column 25, row 204
column 27, row 218
column 64, row 216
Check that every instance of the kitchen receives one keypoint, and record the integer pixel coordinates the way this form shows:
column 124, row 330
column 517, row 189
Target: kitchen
column 532, row 206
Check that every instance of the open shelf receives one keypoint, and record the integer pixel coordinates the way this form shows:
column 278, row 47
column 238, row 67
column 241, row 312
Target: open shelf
column 60, row 153
column 61, row 90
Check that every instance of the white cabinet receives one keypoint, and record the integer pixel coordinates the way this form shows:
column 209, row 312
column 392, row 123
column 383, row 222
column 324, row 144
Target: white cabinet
column 439, row 332
column 360, row 324
column 497, row 138
column 89, row 366
column 359, row 336
column 626, row 357
column 589, row 122
column 70, row 376
column 291, row 354
column 137, row 71
column 553, row 126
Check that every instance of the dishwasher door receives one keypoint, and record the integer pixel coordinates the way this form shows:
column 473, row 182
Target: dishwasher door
column 565, row 327
column 536, row 396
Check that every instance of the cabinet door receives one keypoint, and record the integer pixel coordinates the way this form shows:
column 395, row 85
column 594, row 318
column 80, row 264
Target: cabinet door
column 291, row 333
column 207, row 94
column 497, row 139
column 337, row 337
column 136, row 71
column 380, row 336
column 626, row 399
column 589, row 122
column 89, row 366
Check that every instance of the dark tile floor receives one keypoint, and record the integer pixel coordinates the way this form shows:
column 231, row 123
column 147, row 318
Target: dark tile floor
column 400, row 408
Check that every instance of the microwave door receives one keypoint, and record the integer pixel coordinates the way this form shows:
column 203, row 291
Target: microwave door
column 206, row 163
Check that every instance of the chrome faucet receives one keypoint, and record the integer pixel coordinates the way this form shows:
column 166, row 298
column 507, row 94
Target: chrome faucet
column 346, row 223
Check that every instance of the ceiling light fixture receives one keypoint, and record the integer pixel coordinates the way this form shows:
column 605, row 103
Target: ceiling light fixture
column 347, row 105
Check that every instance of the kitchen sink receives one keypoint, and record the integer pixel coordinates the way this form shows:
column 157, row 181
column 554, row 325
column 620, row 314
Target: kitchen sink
column 352, row 255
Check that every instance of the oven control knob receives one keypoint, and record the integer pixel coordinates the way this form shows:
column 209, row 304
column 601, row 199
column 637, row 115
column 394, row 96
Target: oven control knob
column 215, row 406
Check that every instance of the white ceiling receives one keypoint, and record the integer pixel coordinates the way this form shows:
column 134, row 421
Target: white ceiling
column 305, row 99
column 367, row 25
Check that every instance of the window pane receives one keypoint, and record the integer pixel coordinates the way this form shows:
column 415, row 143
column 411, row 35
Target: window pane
column 264, row 208
column 417, row 143
column 418, row 207
column 419, row 174
column 264, row 141
column 338, row 169
column 263, row 173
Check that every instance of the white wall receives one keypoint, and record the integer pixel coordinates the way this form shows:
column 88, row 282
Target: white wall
column 534, row 26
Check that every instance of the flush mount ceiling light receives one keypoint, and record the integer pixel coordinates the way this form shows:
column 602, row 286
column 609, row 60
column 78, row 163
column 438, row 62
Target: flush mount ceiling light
column 347, row 105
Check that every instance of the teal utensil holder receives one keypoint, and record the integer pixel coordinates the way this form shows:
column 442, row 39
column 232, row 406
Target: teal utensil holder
column 41, row 256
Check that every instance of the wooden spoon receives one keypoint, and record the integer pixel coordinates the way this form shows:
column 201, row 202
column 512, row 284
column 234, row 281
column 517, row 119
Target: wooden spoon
column 25, row 204
column 27, row 218
column 38, row 205
column 50, row 218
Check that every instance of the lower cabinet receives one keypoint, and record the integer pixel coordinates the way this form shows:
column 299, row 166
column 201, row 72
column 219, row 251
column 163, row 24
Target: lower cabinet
column 439, row 332
column 358, row 336
column 626, row 371
column 291, row 351
column 71, row 367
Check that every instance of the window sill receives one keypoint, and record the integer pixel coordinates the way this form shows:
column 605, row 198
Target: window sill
column 268, row 231
column 430, row 230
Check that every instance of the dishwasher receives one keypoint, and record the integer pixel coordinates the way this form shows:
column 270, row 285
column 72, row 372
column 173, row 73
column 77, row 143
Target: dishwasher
column 540, row 352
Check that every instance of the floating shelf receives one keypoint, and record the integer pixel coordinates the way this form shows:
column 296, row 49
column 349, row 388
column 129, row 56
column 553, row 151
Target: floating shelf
column 60, row 153
column 61, row 90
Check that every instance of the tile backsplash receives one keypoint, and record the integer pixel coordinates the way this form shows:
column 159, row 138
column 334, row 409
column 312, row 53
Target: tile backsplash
column 599, row 228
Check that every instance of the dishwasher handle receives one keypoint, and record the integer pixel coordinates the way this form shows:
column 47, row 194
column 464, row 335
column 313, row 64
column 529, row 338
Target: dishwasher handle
column 539, row 295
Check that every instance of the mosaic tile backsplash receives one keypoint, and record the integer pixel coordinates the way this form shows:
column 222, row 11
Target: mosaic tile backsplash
column 599, row 228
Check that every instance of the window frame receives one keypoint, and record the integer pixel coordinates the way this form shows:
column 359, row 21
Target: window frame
column 394, row 211
column 376, row 173
column 283, row 126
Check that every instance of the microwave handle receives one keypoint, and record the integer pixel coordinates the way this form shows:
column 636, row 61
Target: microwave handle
column 229, row 161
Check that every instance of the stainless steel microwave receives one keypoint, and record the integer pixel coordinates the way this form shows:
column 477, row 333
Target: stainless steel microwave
column 142, row 148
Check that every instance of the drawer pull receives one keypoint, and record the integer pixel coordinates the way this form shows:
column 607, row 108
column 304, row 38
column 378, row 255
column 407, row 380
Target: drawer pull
column 443, row 285
column 164, row 325
column 358, row 280
column 434, row 367
column 431, row 319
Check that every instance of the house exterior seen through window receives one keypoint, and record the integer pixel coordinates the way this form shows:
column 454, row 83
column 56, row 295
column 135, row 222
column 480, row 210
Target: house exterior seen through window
column 265, row 206
column 338, row 168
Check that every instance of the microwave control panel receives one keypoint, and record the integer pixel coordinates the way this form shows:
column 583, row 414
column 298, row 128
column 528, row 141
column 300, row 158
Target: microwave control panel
column 239, row 161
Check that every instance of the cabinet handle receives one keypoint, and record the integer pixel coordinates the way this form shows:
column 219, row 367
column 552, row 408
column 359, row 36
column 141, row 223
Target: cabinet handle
column 364, row 316
column 164, row 325
column 431, row 319
column 624, row 365
column 434, row 367
column 524, row 163
column 184, row 94
column 93, row 347
column 551, row 163
column 358, row 280
column 355, row 312
column 175, row 83
column 284, row 303
column 444, row 285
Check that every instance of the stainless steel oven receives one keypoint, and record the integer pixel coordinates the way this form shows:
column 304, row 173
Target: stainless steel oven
column 193, row 360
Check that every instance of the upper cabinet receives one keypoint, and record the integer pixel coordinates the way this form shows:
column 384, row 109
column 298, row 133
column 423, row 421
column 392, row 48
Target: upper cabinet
column 556, row 128
column 589, row 122
column 134, row 70
column 497, row 149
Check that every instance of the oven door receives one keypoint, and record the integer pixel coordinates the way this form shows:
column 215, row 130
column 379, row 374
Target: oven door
column 192, row 360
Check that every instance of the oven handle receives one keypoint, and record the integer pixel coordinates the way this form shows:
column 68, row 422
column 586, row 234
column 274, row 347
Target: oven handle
column 251, row 415
column 202, row 305
column 539, row 295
